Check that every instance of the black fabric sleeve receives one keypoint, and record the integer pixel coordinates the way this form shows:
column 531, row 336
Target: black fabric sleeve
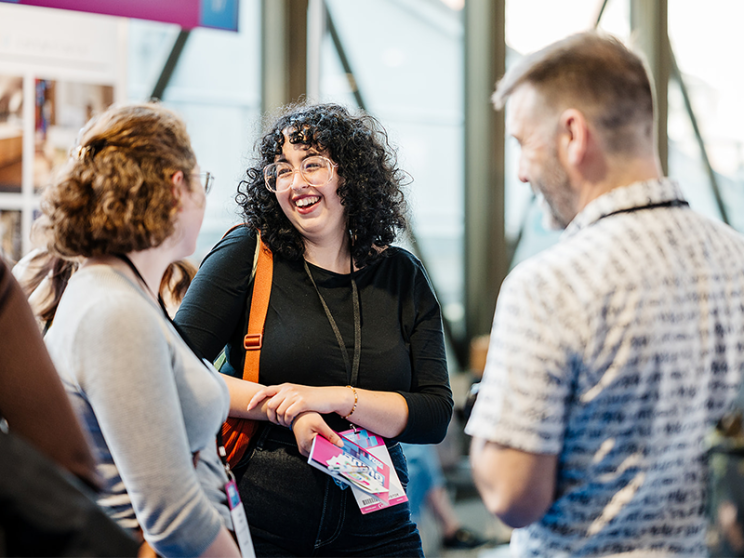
column 429, row 400
column 215, row 303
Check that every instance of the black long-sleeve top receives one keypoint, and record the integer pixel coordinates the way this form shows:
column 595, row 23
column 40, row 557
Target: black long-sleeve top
column 402, row 342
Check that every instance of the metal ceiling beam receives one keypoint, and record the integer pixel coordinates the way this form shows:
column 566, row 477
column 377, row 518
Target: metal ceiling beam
column 333, row 32
column 601, row 7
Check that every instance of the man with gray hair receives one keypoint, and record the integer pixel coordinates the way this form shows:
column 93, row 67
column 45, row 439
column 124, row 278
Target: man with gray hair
column 613, row 352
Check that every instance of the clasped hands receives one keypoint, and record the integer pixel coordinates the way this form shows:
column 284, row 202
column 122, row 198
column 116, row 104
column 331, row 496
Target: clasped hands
column 299, row 408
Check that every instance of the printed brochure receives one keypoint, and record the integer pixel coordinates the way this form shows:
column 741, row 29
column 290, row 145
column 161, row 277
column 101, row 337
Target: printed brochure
column 364, row 464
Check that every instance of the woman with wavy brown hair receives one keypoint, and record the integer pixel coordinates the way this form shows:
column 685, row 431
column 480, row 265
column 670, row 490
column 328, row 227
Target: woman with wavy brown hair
column 128, row 203
column 353, row 332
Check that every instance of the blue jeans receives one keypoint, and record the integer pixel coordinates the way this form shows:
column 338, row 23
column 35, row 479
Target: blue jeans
column 294, row 509
column 424, row 473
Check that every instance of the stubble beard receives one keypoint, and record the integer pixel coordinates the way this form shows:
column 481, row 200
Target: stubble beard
column 555, row 196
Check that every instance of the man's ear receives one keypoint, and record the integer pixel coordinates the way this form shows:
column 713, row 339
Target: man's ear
column 573, row 131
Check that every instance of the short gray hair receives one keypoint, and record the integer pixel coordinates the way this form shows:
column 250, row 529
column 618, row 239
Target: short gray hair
column 594, row 73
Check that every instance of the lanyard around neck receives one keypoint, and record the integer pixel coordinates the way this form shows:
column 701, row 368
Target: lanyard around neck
column 659, row 205
column 159, row 298
column 220, row 444
column 352, row 371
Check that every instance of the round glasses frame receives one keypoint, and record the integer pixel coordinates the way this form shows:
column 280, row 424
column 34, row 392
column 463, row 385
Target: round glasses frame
column 207, row 180
column 271, row 170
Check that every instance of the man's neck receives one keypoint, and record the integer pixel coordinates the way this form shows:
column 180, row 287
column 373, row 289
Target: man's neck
column 619, row 173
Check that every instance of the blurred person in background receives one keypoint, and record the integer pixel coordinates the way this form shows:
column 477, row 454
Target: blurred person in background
column 29, row 382
column 427, row 489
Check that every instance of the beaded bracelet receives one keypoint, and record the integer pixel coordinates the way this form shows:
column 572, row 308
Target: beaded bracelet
column 356, row 399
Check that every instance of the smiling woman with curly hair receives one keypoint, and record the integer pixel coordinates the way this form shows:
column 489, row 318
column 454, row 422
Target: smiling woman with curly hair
column 352, row 335
column 369, row 180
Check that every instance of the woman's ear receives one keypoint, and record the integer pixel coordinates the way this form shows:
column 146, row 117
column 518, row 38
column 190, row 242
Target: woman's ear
column 177, row 178
column 178, row 186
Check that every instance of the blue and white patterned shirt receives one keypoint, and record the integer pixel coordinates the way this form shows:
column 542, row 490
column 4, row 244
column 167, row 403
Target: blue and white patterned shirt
column 616, row 350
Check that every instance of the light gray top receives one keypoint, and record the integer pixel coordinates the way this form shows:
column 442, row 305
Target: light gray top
column 148, row 404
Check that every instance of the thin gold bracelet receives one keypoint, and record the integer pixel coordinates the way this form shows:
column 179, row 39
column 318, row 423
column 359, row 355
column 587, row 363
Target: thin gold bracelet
column 356, row 399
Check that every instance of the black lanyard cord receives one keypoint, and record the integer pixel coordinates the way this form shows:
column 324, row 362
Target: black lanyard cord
column 352, row 371
column 123, row 257
column 670, row 203
column 159, row 298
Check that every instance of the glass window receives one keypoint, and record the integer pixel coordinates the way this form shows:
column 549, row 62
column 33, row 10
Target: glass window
column 216, row 88
column 526, row 33
column 407, row 62
column 704, row 48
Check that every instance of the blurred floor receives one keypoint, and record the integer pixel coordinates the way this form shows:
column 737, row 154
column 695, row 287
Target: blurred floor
column 472, row 515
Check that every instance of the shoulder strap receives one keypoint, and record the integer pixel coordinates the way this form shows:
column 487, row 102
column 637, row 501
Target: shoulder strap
column 255, row 253
column 263, row 271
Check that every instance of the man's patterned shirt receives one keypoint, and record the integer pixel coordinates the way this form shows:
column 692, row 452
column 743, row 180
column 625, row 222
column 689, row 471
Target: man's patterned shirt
column 617, row 349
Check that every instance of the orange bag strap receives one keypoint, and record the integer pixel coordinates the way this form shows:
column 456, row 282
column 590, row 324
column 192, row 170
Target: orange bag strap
column 253, row 340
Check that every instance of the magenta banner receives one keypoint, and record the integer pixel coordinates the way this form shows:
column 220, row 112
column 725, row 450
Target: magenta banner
column 219, row 14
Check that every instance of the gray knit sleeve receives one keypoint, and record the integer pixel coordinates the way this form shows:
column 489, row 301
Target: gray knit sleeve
column 125, row 365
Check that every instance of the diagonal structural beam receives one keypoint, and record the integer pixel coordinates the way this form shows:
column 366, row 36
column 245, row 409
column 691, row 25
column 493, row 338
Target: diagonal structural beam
column 341, row 52
column 677, row 75
column 170, row 64
column 602, row 6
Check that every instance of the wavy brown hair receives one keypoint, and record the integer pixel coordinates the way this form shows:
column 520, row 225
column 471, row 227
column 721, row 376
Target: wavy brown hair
column 115, row 195
column 59, row 271
column 370, row 186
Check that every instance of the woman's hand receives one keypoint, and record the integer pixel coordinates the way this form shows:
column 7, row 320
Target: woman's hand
column 306, row 426
column 287, row 401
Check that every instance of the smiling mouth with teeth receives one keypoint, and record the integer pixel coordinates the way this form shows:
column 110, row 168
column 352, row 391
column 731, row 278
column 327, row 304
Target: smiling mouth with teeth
column 306, row 202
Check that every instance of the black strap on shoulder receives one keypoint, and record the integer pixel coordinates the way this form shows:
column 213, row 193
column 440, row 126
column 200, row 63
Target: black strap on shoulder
column 670, row 203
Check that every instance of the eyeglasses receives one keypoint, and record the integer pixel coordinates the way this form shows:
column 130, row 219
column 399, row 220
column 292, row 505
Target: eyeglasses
column 206, row 178
column 315, row 170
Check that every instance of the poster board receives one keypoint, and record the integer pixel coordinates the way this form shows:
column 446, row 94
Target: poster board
column 57, row 69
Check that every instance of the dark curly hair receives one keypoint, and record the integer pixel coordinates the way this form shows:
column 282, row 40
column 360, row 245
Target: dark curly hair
column 115, row 194
column 370, row 188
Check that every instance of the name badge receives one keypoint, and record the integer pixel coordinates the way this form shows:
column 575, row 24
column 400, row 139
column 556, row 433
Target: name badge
column 240, row 521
